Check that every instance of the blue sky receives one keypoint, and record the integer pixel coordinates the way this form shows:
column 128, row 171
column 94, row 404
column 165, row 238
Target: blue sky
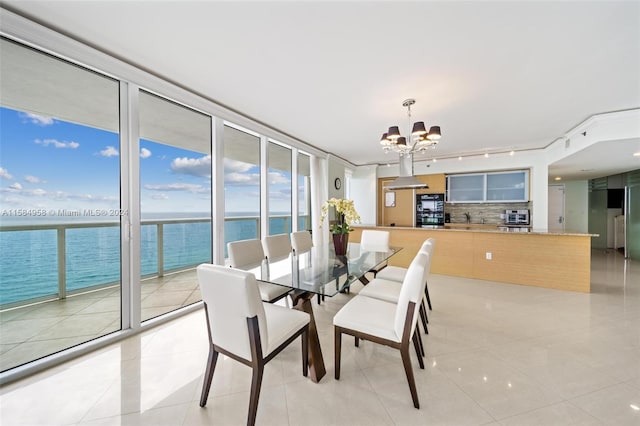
column 47, row 163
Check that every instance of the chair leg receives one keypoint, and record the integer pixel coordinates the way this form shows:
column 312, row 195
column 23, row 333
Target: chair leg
column 421, row 345
column 256, row 383
column 318, row 299
column 406, row 360
column 418, row 347
column 424, row 307
column 420, row 341
column 423, row 318
column 338, row 348
column 208, row 375
column 305, row 352
column 356, row 342
column 426, row 292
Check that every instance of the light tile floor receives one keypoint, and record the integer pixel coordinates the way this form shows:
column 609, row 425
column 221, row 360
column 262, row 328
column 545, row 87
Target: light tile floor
column 497, row 354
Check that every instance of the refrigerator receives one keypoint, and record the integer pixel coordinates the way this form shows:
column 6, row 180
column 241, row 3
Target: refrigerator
column 429, row 210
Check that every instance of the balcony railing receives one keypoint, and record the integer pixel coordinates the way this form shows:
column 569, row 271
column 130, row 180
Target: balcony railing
column 154, row 256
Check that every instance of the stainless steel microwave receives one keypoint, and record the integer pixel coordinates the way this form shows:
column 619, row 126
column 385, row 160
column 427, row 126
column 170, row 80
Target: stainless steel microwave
column 516, row 217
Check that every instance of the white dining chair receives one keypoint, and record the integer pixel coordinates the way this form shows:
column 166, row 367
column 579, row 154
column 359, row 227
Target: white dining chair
column 397, row 273
column 386, row 285
column 373, row 240
column 243, row 327
column 248, row 255
column 386, row 323
column 276, row 247
column 301, row 243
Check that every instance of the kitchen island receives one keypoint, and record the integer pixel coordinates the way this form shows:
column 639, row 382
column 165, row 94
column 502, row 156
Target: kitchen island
column 542, row 259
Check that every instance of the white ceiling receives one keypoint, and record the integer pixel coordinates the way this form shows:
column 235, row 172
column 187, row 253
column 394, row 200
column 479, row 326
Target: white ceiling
column 494, row 75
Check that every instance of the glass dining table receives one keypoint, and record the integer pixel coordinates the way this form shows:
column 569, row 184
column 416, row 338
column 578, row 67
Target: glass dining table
column 320, row 272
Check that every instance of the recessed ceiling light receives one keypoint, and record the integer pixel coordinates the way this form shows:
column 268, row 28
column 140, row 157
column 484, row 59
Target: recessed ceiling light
column 636, row 154
column 486, row 155
column 435, row 160
column 557, row 178
column 460, row 158
column 512, row 153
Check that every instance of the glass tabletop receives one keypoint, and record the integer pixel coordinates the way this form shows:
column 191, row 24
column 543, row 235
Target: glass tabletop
column 320, row 271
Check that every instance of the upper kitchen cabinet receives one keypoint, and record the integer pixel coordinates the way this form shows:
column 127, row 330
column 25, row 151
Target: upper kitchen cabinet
column 468, row 188
column 508, row 186
column 495, row 187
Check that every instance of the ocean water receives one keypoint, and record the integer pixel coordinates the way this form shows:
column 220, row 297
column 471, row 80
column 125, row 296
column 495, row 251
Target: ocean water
column 29, row 260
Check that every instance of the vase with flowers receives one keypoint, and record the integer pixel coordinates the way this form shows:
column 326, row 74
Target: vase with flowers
column 345, row 216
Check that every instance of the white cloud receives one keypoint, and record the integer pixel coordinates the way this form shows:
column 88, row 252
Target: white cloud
column 57, row 143
column 145, row 153
column 38, row 192
column 39, row 120
column 235, row 173
column 4, row 173
column 200, row 167
column 33, row 179
column 277, row 178
column 242, row 179
column 280, row 195
column 188, row 187
column 109, row 152
column 16, row 189
column 231, row 166
column 160, row 197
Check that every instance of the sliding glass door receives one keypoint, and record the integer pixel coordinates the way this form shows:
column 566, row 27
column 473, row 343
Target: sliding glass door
column 279, row 189
column 175, row 203
column 60, row 198
column 241, row 185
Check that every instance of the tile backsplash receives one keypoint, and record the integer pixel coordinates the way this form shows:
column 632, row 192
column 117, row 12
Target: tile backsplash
column 490, row 212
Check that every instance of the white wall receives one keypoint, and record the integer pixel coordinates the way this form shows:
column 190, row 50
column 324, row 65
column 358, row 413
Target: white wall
column 336, row 170
column 364, row 193
column 576, row 206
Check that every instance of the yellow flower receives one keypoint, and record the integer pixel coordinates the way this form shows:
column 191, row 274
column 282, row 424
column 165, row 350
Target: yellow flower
column 346, row 215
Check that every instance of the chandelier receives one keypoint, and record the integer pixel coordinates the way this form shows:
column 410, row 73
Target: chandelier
column 419, row 141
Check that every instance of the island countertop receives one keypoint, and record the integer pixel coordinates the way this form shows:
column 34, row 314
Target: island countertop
column 477, row 227
column 538, row 258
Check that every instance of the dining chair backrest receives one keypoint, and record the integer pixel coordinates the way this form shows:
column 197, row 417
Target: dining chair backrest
column 276, row 247
column 301, row 241
column 412, row 290
column 374, row 240
column 245, row 254
column 428, row 245
column 231, row 296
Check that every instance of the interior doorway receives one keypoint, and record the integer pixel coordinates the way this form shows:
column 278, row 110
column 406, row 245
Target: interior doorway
column 555, row 215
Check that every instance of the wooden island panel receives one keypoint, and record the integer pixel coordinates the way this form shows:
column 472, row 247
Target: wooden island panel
column 560, row 261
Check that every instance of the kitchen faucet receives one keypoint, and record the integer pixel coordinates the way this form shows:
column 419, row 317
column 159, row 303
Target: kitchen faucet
column 468, row 216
